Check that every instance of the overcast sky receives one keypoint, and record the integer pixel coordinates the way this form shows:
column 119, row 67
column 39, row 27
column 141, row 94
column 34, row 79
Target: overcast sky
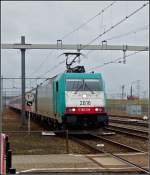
column 46, row 22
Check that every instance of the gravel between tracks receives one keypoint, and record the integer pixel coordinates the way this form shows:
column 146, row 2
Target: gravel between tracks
column 126, row 139
column 105, row 146
column 130, row 140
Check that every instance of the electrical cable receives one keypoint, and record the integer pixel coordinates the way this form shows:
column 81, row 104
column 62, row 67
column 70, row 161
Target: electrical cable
column 115, row 61
column 89, row 20
column 41, row 64
column 123, row 35
column 128, row 33
column 53, row 68
column 109, row 29
column 115, row 25
column 76, row 29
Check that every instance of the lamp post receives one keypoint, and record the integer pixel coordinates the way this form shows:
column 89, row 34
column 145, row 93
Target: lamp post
column 122, row 93
column 138, row 88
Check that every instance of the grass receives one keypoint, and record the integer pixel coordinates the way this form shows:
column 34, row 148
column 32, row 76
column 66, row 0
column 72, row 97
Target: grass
column 124, row 101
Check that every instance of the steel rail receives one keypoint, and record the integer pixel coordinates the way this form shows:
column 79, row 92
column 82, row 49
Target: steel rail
column 130, row 122
column 127, row 133
column 129, row 129
column 126, row 116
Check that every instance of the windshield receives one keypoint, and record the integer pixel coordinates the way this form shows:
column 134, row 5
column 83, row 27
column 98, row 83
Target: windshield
column 84, row 85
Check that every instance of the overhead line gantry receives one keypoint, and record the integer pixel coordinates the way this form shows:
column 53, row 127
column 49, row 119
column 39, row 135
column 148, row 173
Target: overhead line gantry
column 75, row 47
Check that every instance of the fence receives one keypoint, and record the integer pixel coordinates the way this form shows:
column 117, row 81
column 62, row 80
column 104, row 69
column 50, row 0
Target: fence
column 127, row 107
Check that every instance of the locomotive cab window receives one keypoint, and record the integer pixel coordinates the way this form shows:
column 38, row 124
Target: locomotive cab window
column 84, row 85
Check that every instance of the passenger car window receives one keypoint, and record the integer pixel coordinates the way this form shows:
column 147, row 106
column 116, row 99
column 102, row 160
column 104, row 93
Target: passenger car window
column 56, row 86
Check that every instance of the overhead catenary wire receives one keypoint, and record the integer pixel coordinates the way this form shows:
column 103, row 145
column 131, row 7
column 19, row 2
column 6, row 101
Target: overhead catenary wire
column 41, row 64
column 79, row 27
column 123, row 35
column 118, row 23
column 104, row 64
column 45, row 60
column 74, row 30
column 114, row 61
column 89, row 20
column 115, row 25
column 53, row 68
column 127, row 33
column 112, row 27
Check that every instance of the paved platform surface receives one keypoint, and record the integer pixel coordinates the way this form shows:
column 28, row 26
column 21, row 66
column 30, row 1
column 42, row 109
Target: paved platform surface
column 52, row 161
column 73, row 163
column 77, row 173
column 53, row 173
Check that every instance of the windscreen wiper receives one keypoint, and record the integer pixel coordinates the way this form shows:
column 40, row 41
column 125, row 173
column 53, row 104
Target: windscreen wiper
column 78, row 88
column 85, row 85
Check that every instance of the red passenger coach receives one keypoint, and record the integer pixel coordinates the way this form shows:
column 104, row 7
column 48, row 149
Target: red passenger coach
column 15, row 103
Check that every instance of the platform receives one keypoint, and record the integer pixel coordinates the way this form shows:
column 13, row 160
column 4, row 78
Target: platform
column 75, row 163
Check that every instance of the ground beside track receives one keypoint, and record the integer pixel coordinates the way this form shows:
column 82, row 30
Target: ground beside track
column 22, row 143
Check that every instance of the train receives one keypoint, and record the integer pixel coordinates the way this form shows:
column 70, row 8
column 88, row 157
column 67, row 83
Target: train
column 69, row 100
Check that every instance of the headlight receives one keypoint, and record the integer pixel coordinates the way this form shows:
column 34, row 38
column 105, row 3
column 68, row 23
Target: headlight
column 84, row 96
column 96, row 109
column 99, row 109
column 73, row 109
column 70, row 109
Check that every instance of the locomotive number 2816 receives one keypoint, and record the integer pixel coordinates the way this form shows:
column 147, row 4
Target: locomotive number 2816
column 85, row 103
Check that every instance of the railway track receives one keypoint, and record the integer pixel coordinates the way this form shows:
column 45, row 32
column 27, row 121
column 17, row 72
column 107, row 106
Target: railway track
column 126, row 116
column 100, row 150
column 128, row 121
column 129, row 131
column 91, row 141
column 115, row 143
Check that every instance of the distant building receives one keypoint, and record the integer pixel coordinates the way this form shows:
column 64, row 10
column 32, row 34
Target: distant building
column 132, row 97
